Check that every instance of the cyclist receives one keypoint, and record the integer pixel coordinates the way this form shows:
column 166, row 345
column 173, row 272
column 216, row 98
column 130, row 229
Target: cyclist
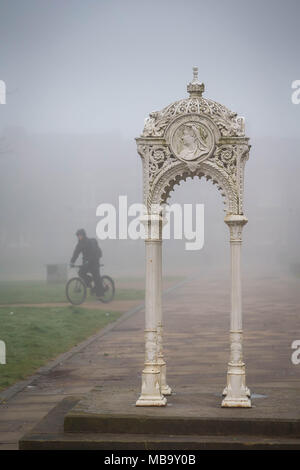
column 91, row 254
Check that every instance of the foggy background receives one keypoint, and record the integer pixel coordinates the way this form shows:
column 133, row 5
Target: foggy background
column 81, row 77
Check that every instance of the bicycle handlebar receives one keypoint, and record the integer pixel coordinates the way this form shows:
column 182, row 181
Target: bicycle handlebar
column 80, row 265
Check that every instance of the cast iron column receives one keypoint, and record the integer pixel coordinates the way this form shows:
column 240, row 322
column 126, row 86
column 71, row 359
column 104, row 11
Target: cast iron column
column 237, row 394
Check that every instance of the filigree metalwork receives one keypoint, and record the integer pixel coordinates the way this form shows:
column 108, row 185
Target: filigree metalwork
column 194, row 137
column 228, row 122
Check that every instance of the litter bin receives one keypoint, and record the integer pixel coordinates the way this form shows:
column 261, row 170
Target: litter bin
column 57, row 273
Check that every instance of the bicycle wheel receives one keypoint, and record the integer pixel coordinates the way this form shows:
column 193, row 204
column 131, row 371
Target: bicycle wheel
column 76, row 291
column 109, row 289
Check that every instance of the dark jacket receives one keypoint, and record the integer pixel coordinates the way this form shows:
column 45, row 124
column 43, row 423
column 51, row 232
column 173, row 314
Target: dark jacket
column 86, row 246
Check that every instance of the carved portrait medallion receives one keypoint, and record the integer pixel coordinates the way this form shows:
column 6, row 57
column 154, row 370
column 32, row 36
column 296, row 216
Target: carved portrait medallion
column 192, row 141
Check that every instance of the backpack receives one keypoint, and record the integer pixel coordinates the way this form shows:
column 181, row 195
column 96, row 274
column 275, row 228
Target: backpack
column 95, row 249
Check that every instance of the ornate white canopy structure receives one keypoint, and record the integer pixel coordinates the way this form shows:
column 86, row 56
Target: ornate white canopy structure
column 191, row 137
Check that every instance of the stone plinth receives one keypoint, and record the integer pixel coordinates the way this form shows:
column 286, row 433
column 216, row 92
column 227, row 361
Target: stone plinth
column 193, row 419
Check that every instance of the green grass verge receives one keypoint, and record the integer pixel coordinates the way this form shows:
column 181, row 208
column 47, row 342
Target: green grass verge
column 38, row 292
column 29, row 292
column 35, row 335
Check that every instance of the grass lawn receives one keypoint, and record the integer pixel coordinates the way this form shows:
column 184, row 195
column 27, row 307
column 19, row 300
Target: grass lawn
column 35, row 335
column 37, row 292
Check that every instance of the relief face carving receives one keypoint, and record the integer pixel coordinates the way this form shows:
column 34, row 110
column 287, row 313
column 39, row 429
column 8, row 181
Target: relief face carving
column 191, row 140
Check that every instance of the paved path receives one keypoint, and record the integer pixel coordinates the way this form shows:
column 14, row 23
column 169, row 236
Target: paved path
column 196, row 349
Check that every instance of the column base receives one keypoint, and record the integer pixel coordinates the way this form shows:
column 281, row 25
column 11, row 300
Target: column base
column 151, row 401
column 151, row 392
column 165, row 389
column 241, row 402
column 236, row 393
column 247, row 391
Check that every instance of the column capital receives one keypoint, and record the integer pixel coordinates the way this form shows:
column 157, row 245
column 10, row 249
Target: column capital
column 235, row 223
column 235, row 219
column 151, row 218
column 153, row 224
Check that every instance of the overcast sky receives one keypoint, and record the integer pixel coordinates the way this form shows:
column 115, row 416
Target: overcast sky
column 82, row 67
column 100, row 65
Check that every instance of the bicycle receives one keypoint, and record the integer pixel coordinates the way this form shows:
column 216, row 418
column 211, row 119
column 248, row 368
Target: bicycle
column 76, row 289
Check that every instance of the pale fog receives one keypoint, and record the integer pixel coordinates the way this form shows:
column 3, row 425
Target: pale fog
column 82, row 76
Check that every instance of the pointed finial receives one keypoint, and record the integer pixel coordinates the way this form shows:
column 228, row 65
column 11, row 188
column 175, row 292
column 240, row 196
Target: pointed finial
column 195, row 88
column 195, row 75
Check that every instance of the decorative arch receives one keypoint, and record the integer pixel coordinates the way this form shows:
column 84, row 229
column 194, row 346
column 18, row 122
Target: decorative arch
column 176, row 172
column 191, row 137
